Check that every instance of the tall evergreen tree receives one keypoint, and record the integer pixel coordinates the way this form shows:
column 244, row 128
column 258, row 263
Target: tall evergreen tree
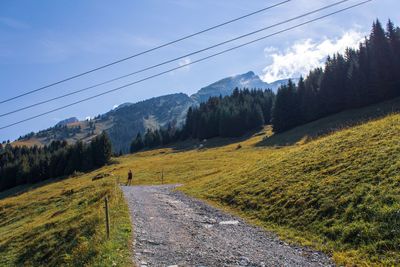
column 285, row 112
column 393, row 36
column 102, row 149
column 137, row 144
column 380, row 63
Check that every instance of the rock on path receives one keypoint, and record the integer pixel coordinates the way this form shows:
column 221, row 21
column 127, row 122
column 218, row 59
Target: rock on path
column 172, row 229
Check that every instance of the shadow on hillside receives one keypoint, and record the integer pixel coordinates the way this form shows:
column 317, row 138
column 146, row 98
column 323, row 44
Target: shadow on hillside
column 212, row 142
column 324, row 126
column 21, row 189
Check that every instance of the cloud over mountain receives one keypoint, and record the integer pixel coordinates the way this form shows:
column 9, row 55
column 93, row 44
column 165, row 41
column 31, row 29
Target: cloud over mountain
column 305, row 55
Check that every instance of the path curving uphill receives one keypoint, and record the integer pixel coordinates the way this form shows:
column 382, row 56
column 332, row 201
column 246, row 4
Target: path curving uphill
column 172, row 229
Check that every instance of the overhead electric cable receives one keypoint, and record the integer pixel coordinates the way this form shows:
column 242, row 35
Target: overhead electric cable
column 174, row 59
column 143, row 52
column 187, row 64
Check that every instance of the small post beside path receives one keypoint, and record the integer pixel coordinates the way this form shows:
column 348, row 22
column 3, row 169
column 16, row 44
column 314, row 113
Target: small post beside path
column 162, row 176
column 107, row 217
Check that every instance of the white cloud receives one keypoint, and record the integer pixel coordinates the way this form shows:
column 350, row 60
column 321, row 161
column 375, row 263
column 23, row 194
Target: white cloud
column 184, row 62
column 305, row 55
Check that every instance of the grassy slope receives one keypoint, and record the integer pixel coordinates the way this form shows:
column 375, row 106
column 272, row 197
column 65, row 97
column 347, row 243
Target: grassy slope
column 61, row 223
column 339, row 193
column 29, row 143
column 83, row 135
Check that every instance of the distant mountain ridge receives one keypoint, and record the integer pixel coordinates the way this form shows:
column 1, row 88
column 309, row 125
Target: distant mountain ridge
column 124, row 121
column 226, row 86
column 67, row 121
column 153, row 113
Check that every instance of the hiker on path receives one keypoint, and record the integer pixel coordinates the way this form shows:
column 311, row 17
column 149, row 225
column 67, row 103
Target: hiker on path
column 130, row 176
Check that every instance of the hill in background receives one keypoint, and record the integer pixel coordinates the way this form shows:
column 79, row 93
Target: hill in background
column 226, row 86
column 67, row 121
column 124, row 122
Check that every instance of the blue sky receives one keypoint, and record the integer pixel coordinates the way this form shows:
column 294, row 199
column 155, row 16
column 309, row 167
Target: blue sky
column 42, row 41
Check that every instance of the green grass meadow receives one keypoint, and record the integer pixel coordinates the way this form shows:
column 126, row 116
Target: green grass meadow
column 62, row 223
column 333, row 185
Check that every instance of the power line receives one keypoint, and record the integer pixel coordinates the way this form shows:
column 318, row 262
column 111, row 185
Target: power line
column 187, row 64
column 174, row 59
column 144, row 52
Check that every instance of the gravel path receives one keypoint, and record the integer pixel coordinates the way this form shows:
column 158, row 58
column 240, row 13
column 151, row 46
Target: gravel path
column 171, row 229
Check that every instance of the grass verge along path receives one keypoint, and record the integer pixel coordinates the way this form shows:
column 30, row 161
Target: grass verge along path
column 61, row 223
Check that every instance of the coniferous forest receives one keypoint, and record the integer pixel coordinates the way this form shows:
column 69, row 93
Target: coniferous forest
column 23, row 165
column 357, row 78
column 360, row 77
column 229, row 116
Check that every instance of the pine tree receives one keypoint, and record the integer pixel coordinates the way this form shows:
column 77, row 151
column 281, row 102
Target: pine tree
column 393, row 36
column 137, row 144
column 102, row 150
column 23, row 171
column 88, row 158
column 149, row 138
column 381, row 62
column 285, row 112
column 279, row 110
column 75, row 158
column 267, row 101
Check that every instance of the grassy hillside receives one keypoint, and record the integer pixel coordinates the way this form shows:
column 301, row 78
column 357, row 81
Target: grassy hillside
column 83, row 131
column 28, row 142
column 334, row 190
column 339, row 193
column 61, row 223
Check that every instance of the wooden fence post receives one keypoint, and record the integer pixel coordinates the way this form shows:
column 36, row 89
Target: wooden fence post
column 162, row 176
column 107, row 217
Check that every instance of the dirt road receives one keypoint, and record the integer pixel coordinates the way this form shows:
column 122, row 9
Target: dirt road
column 171, row 229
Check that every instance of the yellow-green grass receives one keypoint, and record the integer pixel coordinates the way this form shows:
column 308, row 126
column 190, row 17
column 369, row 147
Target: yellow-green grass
column 61, row 223
column 338, row 193
column 86, row 134
column 28, row 143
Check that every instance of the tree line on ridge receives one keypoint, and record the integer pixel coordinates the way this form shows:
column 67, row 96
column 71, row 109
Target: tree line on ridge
column 357, row 78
